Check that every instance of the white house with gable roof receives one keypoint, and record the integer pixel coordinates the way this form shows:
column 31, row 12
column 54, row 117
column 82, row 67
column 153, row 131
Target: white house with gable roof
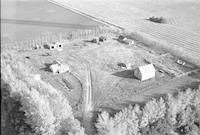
column 145, row 72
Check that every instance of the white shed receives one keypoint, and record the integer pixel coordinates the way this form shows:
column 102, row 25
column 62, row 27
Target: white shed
column 59, row 68
column 59, row 46
column 145, row 72
column 55, row 45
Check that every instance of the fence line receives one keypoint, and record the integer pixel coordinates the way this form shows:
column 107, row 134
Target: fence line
column 61, row 36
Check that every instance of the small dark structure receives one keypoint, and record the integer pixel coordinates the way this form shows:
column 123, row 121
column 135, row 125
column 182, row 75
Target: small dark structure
column 122, row 38
column 125, row 40
column 122, row 65
column 158, row 20
column 102, row 39
column 94, row 40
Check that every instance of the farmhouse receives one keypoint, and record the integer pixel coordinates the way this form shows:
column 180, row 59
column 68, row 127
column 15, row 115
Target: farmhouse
column 145, row 72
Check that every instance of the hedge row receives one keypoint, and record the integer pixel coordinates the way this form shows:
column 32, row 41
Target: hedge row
column 172, row 115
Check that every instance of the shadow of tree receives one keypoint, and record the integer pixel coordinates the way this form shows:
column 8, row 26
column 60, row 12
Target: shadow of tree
column 193, row 85
column 174, row 91
column 195, row 75
column 129, row 102
column 46, row 68
column 110, row 110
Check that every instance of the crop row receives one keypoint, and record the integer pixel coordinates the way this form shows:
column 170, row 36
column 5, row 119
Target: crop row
column 190, row 43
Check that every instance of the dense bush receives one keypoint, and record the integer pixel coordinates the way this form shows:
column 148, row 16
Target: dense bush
column 153, row 110
column 160, row 127
column 41, row 107
column 123, row 123
column 176, row 114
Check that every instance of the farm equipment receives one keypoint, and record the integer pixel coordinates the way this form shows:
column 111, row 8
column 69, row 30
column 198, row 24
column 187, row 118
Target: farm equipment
column 157, row 19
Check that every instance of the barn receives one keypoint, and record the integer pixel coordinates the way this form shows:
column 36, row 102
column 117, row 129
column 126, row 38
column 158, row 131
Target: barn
column 145, row 72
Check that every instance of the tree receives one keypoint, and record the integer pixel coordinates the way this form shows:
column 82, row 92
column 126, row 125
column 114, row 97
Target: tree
column 153, row 111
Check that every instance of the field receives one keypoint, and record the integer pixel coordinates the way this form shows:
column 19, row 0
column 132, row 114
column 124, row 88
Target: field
column 94, row 68
column 179, row 33
column 112, row 87
column 29, row 19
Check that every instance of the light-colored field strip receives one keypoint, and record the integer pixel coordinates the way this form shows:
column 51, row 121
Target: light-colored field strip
column 187, row 41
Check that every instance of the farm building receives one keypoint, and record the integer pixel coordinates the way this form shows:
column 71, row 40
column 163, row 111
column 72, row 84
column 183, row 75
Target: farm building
column 57, row 67
column 125, row 40
column 145, row 72
column 55, row 45
column 122, row 38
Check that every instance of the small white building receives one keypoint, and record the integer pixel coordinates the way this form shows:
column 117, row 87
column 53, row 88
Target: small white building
column 59, row 46
column 145, row 72
column 59, row 68
column 55, row 45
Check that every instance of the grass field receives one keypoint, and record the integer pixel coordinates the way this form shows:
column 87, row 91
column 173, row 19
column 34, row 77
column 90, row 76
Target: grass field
column 182, row 32
column 112, row 86
column 26, row 20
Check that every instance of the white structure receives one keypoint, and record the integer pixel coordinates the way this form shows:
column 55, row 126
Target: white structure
column 129, row 66
column 59, row 68
column 145, row 72
column 55, row 45
column 59, row 46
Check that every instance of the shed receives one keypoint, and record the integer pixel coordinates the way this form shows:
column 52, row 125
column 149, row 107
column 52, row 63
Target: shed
column 122, row 38
column 102, row 38
column 55, row 45
column 59, row 46
column 145, row 72
column 59, row 68
column 51, row 46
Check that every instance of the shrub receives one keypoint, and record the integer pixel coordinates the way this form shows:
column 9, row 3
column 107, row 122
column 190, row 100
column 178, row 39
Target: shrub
column 153, row 110
column 71, row 126
column 179, row 102
column 160, row 127
column 105, row 124
column 125, row 122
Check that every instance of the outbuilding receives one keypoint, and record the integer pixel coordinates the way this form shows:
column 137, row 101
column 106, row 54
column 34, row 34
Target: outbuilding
column 145, row 72
column 55, row 45
column 57, row 67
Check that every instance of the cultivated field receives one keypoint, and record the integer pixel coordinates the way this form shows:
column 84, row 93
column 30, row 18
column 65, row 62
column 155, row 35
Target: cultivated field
column 24, row 20
column 94, row 68
column 179, row 33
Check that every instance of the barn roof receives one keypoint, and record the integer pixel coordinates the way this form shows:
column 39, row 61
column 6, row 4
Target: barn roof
column 147, row 69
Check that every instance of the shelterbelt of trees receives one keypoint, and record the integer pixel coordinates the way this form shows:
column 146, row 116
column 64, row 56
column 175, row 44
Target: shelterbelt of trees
column 177, row 114
column 32, row 106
